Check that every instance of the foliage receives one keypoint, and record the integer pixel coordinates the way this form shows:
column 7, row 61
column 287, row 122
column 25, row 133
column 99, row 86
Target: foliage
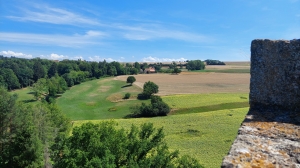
column 156, row 108
column 205, row 136
column 173, row 65
column 195, row 65
column 149, row 88
column 96, row 145
column 27, row 132
column 131, row 79
column 176, row 70
column 214, row 62
column 49, row 88
column 9, row 79
column 19, row 72
column 127, row 96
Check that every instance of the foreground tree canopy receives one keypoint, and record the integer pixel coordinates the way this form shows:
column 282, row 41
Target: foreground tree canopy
column 28, row 132
column 102, row 145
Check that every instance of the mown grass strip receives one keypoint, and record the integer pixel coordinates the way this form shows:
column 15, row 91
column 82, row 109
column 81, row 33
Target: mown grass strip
column 200, row 100
column 216, row 107
column 224, row 70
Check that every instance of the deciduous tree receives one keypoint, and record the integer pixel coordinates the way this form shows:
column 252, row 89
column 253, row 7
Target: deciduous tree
column 131, row 79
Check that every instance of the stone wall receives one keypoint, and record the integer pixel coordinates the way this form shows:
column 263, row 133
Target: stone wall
column 270, row 134
column 275, row 74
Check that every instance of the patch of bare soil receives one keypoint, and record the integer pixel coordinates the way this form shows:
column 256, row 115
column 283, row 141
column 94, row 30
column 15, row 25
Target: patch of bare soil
column 190, row 82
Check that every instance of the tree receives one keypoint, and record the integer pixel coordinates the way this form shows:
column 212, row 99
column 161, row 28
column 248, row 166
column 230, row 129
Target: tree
column 10, row 79
column 131, row 79
column 176, row 70
column 52, row 70
column 149, row 88
column 103, row 145
column 40, row 89
column 38, row 70
column 195, row 65
column 137, row 66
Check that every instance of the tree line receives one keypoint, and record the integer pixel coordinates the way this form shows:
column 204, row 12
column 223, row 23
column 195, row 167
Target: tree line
column 17, row 73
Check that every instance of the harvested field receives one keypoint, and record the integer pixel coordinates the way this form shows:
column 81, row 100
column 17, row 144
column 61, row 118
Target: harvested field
column 191, row 82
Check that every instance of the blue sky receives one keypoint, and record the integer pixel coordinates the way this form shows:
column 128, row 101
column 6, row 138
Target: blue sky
column 153, row 31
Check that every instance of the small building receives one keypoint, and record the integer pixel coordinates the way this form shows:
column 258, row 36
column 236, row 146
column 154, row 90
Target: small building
column 150, row 70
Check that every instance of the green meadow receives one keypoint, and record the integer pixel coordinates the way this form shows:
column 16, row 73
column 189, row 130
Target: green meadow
column 205, row 136
column 201, row 125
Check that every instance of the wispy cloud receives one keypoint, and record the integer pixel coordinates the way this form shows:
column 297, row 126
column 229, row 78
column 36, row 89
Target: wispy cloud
column 155, row 59
column 46, row 14
column 91, row 37
column 139, row 30
column 15, row 54
column 154, row 31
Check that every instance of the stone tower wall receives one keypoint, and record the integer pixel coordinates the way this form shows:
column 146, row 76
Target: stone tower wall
column 270, row 134
column 275, row 74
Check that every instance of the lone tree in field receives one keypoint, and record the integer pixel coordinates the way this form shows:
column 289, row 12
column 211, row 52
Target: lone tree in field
column 176, row 71
column 149, row 89
column 131, row 79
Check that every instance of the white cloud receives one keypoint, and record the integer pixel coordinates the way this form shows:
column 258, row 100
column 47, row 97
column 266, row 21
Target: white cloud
column 46, row 14
column 54, row 56
column 15, row 54
column 92, row 33
column 155, row 59
column 57, row 57
column 98, row 58
column 53, row 39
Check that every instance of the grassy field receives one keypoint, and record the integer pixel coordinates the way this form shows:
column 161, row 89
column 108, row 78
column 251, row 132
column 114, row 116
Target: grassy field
column 205, row 136
column 202, row 124
column 196, row 103
column 98, row 99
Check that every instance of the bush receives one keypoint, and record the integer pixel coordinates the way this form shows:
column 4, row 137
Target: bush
column 156, row 108
column 97, row 145
column 127, row 96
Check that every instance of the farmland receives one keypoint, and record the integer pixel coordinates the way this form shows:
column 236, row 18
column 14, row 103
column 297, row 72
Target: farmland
column 193, row 82
column 207, row 107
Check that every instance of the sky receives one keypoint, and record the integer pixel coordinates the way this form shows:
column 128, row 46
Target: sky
column 143, row 31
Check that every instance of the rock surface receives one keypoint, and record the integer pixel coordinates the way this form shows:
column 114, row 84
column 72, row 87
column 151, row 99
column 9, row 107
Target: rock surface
column 270, row 133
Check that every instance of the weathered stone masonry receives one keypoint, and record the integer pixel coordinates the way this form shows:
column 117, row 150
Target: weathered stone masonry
column 270, row 133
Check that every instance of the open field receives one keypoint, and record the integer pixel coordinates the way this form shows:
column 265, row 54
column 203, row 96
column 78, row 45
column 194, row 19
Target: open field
column 205, row 136
column 192, row 82
column 207, row 108
column 98, row 99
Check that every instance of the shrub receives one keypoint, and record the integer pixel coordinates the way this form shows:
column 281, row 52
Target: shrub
column 127, row 96
column 156, row 108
